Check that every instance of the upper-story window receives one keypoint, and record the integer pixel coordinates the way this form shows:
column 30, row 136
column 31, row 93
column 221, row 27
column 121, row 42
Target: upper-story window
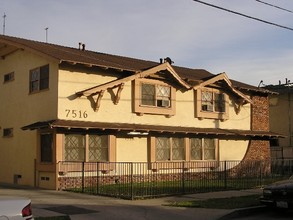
column 8, row 77
column 8, row 132
column 154, row 97
column 39, row 79
column 211, row 103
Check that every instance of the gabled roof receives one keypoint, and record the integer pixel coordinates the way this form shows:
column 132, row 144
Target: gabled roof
column 9, row 45
column 222, row 78
column 162, row 67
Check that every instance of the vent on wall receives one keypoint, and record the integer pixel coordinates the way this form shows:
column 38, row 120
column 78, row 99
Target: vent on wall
column 45, row 178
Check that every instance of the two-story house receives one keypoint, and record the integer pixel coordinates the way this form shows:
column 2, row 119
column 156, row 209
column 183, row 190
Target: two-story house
column 71, row 104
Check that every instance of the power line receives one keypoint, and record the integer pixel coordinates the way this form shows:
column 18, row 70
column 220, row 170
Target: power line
column 275, row 6
column 244, row 15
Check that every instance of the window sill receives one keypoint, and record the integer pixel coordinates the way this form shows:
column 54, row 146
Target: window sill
column 141, row 110
column 39, row 91
column 223, row 116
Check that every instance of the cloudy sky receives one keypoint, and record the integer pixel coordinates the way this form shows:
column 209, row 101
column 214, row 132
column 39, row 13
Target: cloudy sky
column 194, row 35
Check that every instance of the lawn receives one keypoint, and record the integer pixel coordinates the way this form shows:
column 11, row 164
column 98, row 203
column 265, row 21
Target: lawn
column 162, row 188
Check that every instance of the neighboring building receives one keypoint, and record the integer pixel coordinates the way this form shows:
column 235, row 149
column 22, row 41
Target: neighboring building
column 281, row 119
column 70, row 104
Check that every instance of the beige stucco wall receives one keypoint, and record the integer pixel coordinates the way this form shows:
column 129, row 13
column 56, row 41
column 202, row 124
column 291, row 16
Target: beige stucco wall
column 131, row 149
column 19, row 108
column 72, row 82
column 279, row 117
column 135, row 149
column 232, row 149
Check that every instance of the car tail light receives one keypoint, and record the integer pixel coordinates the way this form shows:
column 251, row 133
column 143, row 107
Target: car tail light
column 27, row 211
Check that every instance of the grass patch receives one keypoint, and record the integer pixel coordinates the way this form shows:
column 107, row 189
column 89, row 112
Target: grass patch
column 53, row 218
column 221, row 203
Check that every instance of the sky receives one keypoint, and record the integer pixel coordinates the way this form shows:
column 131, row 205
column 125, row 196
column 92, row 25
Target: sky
column 192, row 34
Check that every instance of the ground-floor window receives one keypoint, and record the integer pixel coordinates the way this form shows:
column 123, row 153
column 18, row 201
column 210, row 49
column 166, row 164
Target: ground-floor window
column 74, row 147
column 202, row 149
column 98, row 148
column 88, row 147
column 169, row 149
column 183, row 149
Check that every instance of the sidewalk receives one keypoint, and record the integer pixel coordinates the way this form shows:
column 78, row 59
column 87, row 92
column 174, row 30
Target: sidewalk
column 47, row 203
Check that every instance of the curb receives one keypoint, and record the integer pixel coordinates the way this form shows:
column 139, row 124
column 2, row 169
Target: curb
column 243, row 212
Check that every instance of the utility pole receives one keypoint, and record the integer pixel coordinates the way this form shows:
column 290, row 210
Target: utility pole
column 290, row 115
column 4, row 17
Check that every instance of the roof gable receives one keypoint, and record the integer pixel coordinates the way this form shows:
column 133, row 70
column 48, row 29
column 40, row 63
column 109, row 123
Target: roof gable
column 166, row 67
column 223, row 78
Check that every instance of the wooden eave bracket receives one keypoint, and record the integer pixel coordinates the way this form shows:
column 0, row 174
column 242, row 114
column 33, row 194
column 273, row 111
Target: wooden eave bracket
column 118, row 93
column 98, row 100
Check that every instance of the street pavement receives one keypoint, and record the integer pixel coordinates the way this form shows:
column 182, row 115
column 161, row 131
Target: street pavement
column 49, row 203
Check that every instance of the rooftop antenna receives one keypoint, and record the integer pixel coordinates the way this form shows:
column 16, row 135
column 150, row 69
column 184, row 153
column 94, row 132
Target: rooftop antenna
column 46, row 29
column 4, row 17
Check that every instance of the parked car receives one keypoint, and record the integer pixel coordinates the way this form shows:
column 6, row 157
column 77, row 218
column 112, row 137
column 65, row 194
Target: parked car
column 279, row 194
column 15, row 208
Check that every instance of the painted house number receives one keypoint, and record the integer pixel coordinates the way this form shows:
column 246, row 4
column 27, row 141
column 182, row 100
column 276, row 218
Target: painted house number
column 75, row 113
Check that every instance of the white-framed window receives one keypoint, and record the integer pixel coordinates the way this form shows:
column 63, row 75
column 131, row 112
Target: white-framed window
column 39, row 79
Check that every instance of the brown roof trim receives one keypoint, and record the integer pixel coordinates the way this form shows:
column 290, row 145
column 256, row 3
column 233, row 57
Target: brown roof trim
column 69, row 124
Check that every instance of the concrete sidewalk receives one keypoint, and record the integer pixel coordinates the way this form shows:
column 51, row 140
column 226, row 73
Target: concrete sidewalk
column 47, row 203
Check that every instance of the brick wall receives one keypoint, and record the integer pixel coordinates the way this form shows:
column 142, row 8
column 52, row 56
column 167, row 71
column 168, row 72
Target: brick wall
column 259, row 149
column 260, row 113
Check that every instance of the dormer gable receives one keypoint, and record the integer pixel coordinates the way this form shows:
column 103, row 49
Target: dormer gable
column 222, row 81
column 161, row 72
column 212, row 98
